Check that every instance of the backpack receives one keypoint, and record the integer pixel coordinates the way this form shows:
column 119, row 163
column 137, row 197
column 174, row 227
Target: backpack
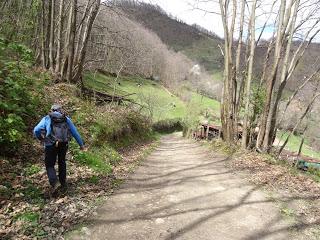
column 60, row 131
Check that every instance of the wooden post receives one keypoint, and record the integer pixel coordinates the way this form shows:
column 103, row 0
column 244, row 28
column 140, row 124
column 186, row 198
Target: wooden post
column 202, row 132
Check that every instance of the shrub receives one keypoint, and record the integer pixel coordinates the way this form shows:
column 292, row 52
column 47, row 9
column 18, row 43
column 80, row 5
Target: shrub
column 109, row 128
column 113, row 126
column 32, row 169
column 94, row 161
column 168, row 126
column 17, row 103
column 191, row 120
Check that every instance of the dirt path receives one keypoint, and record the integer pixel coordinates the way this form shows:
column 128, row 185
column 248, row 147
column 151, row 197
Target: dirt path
column 183, row 192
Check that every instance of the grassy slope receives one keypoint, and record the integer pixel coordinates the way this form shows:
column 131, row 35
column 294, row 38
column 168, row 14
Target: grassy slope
column 169, row 106
column 207, row 103
column 294, row 143
column 129, row 85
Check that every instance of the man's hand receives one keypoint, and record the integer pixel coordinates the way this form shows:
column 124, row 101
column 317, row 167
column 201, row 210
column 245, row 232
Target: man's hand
column 83, row 148
column 42, row 136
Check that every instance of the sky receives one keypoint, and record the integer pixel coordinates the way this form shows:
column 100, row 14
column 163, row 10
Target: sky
column 187, row 11
column 205, row 14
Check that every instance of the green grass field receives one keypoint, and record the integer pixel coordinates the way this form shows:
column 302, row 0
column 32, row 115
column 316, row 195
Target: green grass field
column 206, row 102
column 294, row 143
column 167, row 105
column 164, row 104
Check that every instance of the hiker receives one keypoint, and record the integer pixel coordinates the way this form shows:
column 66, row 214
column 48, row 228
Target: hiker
column 55, row 130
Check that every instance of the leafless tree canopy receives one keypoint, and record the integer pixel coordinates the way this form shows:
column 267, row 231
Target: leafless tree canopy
column 118, row 42
column 295, row 26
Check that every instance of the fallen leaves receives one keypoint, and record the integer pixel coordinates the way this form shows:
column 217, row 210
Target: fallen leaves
column 292, row 186
column 264, row 171
column 22, row 217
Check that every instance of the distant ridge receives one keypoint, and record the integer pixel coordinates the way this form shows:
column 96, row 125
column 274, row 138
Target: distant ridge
column 196, row 42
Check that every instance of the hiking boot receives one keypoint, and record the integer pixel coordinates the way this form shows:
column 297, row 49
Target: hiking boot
column 53, row 190
column 64, row 188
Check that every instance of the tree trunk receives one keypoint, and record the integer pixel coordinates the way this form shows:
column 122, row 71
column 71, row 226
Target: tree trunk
column 246, row 124
column 72, row 29
column 271, row 126
column 91, row 18
column 266, row 60
column 82, row 22
column 302, row 141
column 43, row 36
column 59, row 40
column 51, row 39
column 273, row 76
column 48, row 28
column 227, row 103
column 239, row 76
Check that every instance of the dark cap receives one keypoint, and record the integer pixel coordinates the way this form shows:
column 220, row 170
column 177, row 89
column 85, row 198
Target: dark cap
column 56, row 107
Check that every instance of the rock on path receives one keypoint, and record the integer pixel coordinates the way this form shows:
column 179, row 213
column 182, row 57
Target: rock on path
column 182, row 191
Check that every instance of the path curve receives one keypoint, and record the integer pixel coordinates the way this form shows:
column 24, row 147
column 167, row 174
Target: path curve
column 184, row 191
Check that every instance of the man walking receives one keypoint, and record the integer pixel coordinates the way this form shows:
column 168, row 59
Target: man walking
column 56, row 130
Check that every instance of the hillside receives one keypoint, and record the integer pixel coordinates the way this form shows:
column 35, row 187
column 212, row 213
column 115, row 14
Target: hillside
column 202, row 47
column 157, row 102
column 27, row 210
column 306, row 66
column 156, row 99
column 197, row 43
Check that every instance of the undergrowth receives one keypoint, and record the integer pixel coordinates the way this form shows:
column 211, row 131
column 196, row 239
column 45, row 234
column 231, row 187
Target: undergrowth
column 26, row 94
column 230, row 149
column 25, row 97
column 108, row 130
column 20, row 96
column 224, row 147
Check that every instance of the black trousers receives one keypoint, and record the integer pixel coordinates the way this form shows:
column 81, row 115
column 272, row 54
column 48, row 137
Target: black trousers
column 51, row 154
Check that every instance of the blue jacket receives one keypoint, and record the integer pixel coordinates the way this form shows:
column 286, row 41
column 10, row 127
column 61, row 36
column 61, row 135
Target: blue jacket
column 45, row 125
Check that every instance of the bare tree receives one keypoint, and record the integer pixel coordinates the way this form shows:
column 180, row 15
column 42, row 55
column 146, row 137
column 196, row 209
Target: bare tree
column 306, row 111
column 51, row 38
column 82, row 54
column 278, row 69
column 273, row 75
column 43, row 35
column 60, row 39
column 227, row 103
column 249, row 75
